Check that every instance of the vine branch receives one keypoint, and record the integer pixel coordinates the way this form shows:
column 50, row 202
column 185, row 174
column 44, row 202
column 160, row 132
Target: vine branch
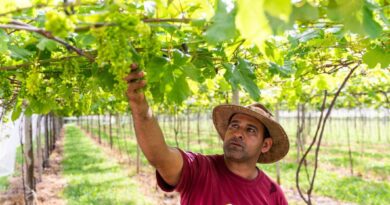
column 321, row 126
column 13, row 67
column 22, row 26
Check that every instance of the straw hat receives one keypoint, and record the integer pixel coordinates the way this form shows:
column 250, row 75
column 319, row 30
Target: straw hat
column 280, row 143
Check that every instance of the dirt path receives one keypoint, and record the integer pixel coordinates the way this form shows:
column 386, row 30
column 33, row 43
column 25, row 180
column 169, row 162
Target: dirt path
column 294, row 199
column 48, row 189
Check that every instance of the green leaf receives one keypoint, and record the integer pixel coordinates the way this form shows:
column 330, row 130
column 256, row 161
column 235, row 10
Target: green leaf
column 47, row 44
column 310, row 34
column 156, row 63
column 273, row 53
column 377, row 55
column 103, row 77
column 223, row 27
column 242, row 74
column 180, row 58
column 230, row 76
column 252, row 22
column 180, row 90
column 357, row 16
column 89, row 39
column 278, row 26
column 322, row 84
column 282, row 70
column 19, row 52
column 4, row 39
column 278, row 8
column 16, row 112
column 41, row 107
column 304, row 13
column 372, row 28
column 192, row 72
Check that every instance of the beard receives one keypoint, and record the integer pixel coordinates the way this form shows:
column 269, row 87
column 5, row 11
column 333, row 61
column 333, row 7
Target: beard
column 235, row 150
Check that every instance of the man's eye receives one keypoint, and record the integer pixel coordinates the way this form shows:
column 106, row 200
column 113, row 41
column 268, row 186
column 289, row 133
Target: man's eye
column 251, row 130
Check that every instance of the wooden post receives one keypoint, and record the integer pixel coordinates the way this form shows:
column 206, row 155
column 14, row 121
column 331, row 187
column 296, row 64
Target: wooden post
column 29, row 162
column 349, row 148
column 236, row 97
column 47, row 143
column 277, row 163
column 53, row 133
column 39, row 148
column 99, row 132
column 138, row 159
column 198, row 130
column 110, row 130
column 188, row 128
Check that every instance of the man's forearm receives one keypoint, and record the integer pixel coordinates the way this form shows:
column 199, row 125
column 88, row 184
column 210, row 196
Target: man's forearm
column 150, row 137
column 167, row 161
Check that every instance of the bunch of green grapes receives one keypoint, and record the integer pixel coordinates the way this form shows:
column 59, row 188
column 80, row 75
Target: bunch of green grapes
column 115, row 49
column 59, row 24
column 33, row 81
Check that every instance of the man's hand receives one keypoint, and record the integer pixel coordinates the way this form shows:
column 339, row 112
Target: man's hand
column 136, row 97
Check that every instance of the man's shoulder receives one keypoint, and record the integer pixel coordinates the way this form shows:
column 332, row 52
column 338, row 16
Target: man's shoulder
column 199, row 159
column 272, row 186
column 200, row 155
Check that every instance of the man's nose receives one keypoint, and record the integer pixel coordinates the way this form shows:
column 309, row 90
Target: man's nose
column 238, row 133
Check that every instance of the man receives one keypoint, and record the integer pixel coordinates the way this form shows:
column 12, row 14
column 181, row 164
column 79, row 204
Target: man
column 249, row 135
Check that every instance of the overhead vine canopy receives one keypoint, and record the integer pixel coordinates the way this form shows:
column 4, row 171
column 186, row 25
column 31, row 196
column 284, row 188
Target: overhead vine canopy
column 71, row 58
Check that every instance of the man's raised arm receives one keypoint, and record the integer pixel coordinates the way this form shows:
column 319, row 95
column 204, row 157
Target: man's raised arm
column 168, row 161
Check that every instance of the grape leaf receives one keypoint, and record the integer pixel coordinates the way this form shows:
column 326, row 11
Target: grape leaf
column 242, row 74
column 252, row 22
column 278, row 8
column 377, row 55
column 223, row 23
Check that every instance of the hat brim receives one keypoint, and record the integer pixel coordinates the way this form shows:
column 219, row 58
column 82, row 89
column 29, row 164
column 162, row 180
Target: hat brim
column 280, row 143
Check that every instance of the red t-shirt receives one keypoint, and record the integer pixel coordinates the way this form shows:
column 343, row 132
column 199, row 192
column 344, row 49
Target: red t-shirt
column 206, row 180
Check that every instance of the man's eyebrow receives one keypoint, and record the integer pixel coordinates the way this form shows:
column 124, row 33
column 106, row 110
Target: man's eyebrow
column 253, row 126
column 249, row 125
column 231, row 121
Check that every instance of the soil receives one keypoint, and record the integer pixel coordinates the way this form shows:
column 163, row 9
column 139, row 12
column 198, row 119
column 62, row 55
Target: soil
column 48, row 189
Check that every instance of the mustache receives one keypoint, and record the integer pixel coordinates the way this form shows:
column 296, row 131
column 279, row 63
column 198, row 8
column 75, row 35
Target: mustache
column 236, row 140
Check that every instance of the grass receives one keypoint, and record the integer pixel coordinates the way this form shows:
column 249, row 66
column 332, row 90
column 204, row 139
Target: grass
column 334, row 153
column 4, row 183
column 94, row 178
column 330, row 184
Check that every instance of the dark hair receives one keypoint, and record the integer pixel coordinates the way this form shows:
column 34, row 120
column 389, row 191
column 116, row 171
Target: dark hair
column 265, row 134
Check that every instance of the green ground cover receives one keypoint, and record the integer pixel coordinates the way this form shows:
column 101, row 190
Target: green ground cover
column 94, row 178
column 341, row 187
column 4, row 183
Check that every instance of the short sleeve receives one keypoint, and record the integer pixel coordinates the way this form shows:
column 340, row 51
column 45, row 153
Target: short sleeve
column 279, row 197
column 192, row 166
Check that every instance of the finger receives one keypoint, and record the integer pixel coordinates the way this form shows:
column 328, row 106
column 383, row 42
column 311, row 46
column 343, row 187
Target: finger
column 136, row 97
column 134, row 76
column 133, row 66
column 134, row 86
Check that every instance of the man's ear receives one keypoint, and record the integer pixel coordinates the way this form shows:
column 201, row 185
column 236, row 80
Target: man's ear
column 267, row 144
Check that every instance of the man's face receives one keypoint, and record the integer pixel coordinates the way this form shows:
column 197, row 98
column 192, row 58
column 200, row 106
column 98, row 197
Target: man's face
column 244, row 139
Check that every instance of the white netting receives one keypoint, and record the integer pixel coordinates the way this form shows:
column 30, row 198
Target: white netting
column 10, row 134
column 9, row 141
